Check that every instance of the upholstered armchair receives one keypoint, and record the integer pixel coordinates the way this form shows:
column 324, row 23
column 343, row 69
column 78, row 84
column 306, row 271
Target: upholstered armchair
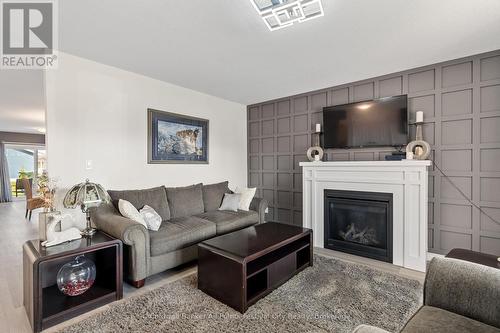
column 459, row 296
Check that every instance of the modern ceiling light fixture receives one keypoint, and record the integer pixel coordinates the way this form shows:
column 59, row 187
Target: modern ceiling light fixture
column 279, row 14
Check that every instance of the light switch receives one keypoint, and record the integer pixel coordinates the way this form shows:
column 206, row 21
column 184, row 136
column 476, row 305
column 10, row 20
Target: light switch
column 88, row 164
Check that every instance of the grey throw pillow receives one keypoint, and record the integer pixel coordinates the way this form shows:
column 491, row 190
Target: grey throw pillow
column 185, row 201
column 151, row 217
column 231, row 202
column 213, row 195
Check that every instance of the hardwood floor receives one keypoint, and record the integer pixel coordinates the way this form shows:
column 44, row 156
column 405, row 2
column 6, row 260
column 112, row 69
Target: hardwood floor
column 16, row 230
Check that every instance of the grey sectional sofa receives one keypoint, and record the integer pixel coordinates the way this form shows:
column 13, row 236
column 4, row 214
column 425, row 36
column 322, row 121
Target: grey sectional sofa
column 189, row 216
column 459, row 296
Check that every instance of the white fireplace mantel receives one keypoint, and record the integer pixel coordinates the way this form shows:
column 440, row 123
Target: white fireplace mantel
column 406, row 180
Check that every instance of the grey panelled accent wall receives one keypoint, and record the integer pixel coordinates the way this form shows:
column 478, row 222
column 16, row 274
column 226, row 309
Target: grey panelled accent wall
column 461, row 104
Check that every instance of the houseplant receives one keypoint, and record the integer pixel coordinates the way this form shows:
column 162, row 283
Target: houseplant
column 47, row 190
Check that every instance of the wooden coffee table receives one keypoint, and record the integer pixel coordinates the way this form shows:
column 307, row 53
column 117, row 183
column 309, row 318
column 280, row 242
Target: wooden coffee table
column 240, row 268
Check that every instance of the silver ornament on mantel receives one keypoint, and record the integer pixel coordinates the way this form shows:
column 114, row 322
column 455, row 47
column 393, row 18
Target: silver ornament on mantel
column 420, row 148
column 315, row 153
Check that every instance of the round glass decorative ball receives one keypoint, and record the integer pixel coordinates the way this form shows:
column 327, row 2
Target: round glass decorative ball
column 77, row 276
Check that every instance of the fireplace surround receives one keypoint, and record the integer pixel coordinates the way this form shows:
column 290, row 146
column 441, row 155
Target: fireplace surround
column 359, row 222
column 406, row 180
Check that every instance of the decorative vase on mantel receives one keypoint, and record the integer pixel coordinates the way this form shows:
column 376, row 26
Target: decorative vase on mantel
column 418, row 149
column 315, row 152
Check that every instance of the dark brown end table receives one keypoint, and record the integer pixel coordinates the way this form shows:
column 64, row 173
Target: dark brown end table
column 45, row 305
column 240, row 268
column 475, row 257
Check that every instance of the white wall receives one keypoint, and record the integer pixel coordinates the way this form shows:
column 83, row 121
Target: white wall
column 99, row 113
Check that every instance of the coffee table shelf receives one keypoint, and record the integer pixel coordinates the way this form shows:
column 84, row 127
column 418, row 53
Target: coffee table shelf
column 256, row 265
column 257, row 285
column 240, row 268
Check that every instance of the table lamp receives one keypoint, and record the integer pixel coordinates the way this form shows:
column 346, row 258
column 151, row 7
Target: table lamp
column 86, row 195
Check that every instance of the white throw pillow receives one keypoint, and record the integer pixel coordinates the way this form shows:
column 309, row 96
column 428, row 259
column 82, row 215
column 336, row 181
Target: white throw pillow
column 247, row 195
column 129, row 211
column 230, row 202
column 151, row 217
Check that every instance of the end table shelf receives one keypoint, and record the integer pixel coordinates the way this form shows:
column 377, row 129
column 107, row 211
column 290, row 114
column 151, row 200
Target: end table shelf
column 45, row 304
column 56, row 305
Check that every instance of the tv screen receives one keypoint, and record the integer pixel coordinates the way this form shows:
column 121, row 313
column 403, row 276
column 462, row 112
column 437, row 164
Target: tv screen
column 382, row 122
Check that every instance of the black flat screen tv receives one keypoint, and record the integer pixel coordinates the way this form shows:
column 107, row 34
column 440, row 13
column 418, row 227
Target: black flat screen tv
column 377, row 123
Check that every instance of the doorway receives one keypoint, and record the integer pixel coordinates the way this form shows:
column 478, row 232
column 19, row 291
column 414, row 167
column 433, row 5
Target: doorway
column 25, row 162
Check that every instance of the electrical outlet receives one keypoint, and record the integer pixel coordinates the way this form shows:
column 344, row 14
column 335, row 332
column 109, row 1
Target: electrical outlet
column 88, row 164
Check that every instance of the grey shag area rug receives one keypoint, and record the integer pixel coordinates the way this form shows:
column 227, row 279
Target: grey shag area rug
column 331, row 296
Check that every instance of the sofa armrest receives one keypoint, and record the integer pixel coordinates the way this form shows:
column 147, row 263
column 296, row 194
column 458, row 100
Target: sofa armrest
column 134, row 234
column 259, row 205
column 465, row 288
column 368, row 329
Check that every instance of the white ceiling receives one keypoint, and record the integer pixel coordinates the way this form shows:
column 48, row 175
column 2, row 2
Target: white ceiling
column 22, row 101
column 223, row 48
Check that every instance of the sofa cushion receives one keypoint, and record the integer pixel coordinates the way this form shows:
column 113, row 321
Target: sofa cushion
column 154, row 197
column 431, row 319
column 227, row 221
column 185, row 201
column 213, row 194
column 178, row 233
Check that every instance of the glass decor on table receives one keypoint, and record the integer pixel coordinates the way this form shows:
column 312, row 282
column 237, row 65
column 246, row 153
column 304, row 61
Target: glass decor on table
column 77, row 276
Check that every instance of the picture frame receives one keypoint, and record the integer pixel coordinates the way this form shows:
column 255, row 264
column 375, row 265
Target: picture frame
column 177, row 139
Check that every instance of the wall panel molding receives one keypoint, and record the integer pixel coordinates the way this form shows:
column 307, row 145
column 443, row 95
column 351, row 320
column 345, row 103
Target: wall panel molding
column 461, row 103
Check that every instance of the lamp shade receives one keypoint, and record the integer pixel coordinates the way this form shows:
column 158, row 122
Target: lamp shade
column 86, row 195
